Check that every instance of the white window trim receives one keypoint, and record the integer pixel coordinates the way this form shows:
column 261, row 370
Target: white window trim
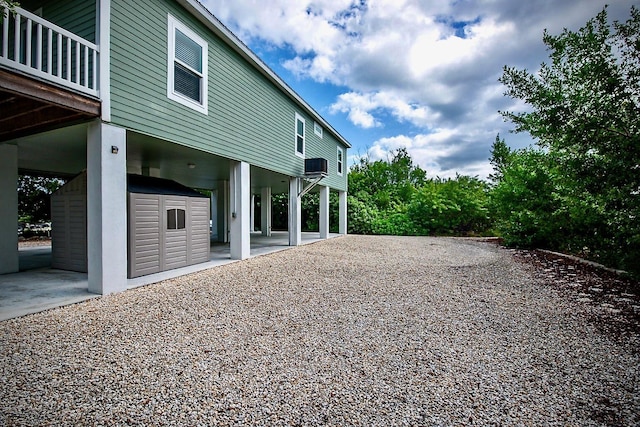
column 340, row 163
column 304, row 136
column 173, row 25
column 317, row 129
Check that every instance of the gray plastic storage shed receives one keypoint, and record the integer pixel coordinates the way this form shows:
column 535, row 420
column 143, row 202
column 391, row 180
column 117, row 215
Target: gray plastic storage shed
column 168, row 225
column 69, row 225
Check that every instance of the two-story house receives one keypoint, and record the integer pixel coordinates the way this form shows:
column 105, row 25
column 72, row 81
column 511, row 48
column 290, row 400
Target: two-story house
column 157, row 88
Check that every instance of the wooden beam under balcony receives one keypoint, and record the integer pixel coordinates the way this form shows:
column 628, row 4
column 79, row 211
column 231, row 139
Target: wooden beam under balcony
column 29, row 106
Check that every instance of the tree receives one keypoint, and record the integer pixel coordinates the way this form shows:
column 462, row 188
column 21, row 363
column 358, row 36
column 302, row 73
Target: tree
column 585, row 112
column 387, row 182
column 500, row 157
column 34, row 197
column 586, row 104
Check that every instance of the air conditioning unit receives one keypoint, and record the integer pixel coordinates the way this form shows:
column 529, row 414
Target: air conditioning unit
column 316, row 167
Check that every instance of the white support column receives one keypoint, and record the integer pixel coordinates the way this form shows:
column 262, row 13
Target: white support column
column 9, row 209
column 213, row 235
column 324, row 212
column 106, row 208
column 342, row 209
column 265, row 211
column 295, row 212
column 240, row 199
column 225, row 213
column 252, row 220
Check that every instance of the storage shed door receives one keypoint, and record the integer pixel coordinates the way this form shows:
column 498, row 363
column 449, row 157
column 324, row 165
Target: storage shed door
column 144, row 234
column 175, row 231
column 199, row 238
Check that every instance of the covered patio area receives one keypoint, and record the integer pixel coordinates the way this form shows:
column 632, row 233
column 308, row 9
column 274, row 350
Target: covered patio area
column 233, row 187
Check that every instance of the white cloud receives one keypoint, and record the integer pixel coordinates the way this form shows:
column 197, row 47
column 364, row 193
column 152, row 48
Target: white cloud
column 434, row 153
column 370, row 103
column 362, row 118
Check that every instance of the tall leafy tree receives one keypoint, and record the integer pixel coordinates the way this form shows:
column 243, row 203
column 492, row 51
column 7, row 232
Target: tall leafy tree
column 500, row 158
column 386, row 182
column 34, row 197
column 585, row 112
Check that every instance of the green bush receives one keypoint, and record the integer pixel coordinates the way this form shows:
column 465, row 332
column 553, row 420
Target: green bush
column 454, row 207
column 361, row 216
column 524, row 201
column 395, row 197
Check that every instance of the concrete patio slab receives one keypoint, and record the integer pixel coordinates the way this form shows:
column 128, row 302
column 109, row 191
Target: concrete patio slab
column 40, row 289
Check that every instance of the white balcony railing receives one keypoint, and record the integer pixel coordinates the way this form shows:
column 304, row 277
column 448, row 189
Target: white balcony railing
column 42, row 49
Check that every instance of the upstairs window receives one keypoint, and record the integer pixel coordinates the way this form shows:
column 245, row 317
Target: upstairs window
column 340, row 161
column 187, row 67
column 175, row 219
column 299, row 135
column 317, row 129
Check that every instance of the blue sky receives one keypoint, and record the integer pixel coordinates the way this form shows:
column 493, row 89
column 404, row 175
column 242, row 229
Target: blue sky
column 418, row 74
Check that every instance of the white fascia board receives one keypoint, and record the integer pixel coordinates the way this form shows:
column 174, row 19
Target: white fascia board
column 199, row 11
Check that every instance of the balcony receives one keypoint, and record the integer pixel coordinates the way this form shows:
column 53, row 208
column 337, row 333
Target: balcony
column 48, row 75
column 40, row 48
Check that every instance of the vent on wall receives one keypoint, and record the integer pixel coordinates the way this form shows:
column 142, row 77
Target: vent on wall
column 316, row 167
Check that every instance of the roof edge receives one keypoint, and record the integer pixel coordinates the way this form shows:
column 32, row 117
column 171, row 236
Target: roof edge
column 198, row 10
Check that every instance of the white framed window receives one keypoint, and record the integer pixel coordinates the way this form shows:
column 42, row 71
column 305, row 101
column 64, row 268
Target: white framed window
column 317, row 129
column 300, row 140
column 340, row 161
column 187, row 66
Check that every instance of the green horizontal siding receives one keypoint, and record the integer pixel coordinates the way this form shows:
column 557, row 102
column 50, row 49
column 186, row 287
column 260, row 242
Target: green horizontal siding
column 249, row 118
column 326, row 148
column 77, row 16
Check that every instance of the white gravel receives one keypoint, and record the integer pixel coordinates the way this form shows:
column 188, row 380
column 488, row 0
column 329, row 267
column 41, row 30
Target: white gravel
column 350, row 331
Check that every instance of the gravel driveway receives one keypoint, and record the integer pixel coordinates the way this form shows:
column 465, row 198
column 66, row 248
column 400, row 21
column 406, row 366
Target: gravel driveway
column 349, row 331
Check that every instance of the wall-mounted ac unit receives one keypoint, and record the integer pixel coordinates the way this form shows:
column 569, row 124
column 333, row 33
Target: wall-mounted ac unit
column 316, row 167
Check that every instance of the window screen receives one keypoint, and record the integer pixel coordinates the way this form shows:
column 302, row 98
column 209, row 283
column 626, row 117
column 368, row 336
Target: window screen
column 188, row 67
column 300, row 146
column 188, row 51
column 187, row 83
column 299, row 134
